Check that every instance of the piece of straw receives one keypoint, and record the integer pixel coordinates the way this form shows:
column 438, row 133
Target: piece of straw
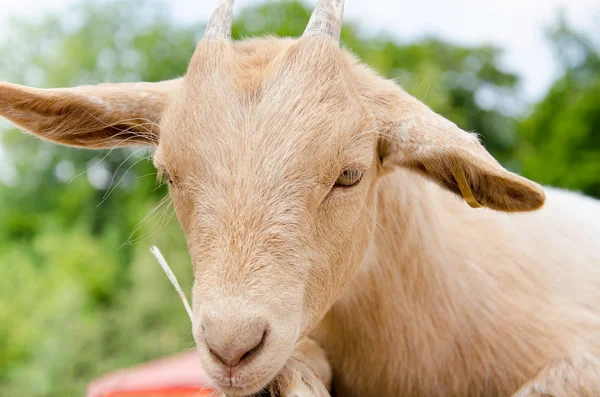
column 163, row 263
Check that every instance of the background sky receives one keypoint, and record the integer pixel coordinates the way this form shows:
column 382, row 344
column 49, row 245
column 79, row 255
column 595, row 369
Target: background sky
column 515, row 25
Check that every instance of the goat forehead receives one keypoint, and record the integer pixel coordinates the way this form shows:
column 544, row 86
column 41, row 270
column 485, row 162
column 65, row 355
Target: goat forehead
column 228, row 86
column 269, row 146
column 298, row 119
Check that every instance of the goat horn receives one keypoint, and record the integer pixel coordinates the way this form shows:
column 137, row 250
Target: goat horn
column 326, row 19
column 219, row 25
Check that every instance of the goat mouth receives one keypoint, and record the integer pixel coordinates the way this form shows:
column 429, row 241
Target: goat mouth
column 255, row 390
column 247, row 385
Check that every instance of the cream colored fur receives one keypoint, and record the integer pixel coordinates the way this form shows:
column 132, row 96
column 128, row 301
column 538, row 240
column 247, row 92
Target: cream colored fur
column 394, row 287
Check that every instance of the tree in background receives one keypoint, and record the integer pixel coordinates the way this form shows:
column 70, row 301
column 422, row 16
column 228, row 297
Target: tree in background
column 75, row 301
column 561, row 138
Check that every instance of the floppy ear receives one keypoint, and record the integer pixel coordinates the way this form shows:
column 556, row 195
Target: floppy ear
column 417, row 138
column 95, row 117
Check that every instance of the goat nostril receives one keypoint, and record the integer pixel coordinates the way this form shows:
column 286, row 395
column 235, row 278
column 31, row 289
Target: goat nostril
column 255, row 348
column 233, row 356
column 214, row 353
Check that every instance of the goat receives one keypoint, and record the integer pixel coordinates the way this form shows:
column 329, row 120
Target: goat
column 331, row 251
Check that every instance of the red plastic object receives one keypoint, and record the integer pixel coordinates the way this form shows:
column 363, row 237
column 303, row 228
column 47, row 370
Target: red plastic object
column 166, row 392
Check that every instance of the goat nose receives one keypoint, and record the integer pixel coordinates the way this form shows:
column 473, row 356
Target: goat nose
column 232, row 345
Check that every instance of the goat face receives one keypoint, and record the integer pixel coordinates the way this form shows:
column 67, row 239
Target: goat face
column 271, row 171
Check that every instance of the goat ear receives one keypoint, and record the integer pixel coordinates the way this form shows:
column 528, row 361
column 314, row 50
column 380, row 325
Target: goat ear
column 419, row 139
column 101, row 116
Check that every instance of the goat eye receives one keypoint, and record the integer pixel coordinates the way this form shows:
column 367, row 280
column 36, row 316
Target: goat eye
column 163, row 176
column 348, row 178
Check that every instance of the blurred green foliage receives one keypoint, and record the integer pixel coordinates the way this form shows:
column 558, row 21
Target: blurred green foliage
column 79, row 295
column 561, row 138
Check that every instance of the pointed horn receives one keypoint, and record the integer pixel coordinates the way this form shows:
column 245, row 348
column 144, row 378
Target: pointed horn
column 326, row 19
column 219, row 25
